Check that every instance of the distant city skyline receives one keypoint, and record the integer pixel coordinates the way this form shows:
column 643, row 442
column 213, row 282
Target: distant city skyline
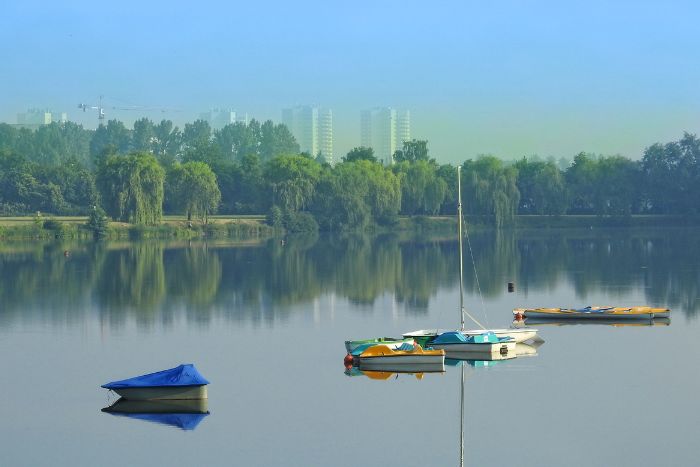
column 507, row 78
column 312, row 127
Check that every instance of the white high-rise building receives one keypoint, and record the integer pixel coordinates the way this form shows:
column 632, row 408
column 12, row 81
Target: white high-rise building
column 312, row 127
column 403, row 127
column 219, row 118
column 385, row 129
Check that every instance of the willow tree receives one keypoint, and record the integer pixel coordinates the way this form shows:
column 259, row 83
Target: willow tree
column 490, row 189
column 132, row 188
column 193, row 190
column 293, row 181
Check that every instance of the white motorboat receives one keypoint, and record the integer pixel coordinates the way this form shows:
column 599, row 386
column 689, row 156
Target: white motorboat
column 454, row 342
column 518, row 335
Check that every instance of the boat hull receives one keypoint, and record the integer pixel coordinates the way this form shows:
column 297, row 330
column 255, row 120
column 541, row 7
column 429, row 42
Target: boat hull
column 162, row 393
column 487, row 348
column 517, row 335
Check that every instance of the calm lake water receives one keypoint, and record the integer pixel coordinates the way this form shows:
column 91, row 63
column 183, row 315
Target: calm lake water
column 265, row 323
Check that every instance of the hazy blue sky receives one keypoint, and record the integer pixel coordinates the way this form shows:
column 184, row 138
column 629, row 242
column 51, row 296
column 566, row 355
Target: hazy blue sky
column 510, row 77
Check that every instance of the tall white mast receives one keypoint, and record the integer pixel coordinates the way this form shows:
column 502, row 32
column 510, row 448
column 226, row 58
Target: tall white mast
column 459, row 221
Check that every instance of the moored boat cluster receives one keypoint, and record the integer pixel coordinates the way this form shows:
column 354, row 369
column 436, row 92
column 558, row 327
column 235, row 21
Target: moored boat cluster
column 426, row 350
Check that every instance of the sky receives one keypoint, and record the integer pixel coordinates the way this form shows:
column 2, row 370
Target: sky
column 503, row 77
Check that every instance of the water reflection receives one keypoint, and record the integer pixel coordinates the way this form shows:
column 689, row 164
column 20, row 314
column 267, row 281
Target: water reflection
column 153, row 281
column 182, row 414
column 592, row 322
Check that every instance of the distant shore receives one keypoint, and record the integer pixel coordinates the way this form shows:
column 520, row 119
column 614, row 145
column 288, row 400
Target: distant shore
column 254, row 226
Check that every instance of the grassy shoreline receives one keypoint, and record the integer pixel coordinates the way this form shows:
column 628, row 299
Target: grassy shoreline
column 172, row 227
column 254, row 226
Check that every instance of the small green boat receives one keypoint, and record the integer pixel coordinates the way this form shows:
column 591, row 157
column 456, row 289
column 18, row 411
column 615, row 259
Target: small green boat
column 391, row 342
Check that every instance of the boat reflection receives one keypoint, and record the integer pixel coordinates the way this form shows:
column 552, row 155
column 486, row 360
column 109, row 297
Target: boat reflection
column 385, row 375
column 607, row 322
column 182, row 414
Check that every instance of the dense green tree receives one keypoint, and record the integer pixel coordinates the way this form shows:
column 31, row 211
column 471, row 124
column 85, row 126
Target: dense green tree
column 340, row 198
column 541, row 186
column 8, row 137
column 620, row 190
column 196, row 135
column 143, row 136
column 207, row 152
column 360, row 153
column 448, row 174
column 604, row 185
column 75, row 183
column 412, row 151
column 193, row 189
column 581, row 178
column 276, row 140
column 353, row 195
column 113, row 135
column 167, row 142
column 672, row 176
column 57, row 143
column 249, row 196
column 235, row 140
column 58, row 189
column 132, row 188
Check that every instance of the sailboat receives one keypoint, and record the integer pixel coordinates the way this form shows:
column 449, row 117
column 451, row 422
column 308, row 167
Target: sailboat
column 484, row 341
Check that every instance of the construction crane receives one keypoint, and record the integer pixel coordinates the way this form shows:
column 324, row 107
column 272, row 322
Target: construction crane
column 98, row 107
column 101, row 109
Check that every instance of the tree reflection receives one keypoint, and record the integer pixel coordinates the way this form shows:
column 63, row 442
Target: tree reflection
column 132, row 280
column 262, row 282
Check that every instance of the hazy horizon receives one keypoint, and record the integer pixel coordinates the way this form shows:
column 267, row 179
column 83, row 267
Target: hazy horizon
column 508, row 79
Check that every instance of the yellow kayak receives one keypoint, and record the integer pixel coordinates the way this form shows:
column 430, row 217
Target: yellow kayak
column 594, row 312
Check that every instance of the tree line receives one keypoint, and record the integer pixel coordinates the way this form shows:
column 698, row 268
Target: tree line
column 136, row 175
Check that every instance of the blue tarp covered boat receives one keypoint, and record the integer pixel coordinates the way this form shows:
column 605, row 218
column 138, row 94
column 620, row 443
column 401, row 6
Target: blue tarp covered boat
column 181, row 382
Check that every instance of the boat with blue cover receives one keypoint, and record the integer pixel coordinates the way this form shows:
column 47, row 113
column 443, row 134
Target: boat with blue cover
column 181, row 382
column 519, row 335
column 486, row 343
